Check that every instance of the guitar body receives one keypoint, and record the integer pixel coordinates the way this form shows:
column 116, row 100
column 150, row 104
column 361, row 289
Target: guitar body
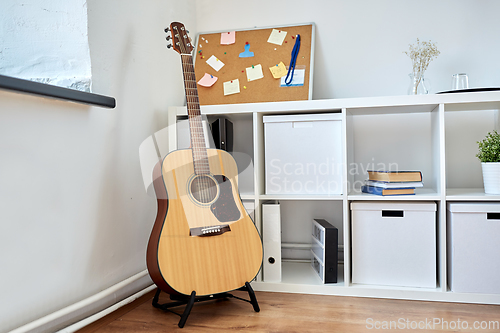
column 203, row 242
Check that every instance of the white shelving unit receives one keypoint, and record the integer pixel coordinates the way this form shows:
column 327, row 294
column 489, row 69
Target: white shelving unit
column 435, row 134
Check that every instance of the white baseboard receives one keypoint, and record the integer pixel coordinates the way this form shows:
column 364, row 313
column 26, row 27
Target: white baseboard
column 119, row 294
column 89, row 320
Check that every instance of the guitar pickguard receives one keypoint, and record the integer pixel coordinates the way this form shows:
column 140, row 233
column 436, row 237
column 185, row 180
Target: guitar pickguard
column 224, row 208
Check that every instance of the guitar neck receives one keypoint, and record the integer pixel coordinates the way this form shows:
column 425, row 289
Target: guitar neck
column 198, row 145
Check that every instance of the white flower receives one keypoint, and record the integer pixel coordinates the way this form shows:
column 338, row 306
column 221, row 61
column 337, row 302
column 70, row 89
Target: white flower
column 421, row 55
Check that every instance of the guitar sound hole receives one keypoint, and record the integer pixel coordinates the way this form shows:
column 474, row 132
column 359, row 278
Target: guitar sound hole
column 204, row 189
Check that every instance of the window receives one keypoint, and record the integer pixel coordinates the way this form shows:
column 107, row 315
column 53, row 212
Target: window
column 46, row 41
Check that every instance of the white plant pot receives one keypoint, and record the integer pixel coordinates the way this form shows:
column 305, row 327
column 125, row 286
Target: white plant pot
column 491, row 177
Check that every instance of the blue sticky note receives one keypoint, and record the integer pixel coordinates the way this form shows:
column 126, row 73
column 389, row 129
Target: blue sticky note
column 247, row 53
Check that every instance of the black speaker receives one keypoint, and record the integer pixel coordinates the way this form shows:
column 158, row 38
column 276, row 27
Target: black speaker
column 222, row 131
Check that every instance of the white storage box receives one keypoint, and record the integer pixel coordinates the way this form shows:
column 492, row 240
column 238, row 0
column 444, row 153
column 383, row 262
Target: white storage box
column 303, row 154
column 394, row 243
column 474, row 247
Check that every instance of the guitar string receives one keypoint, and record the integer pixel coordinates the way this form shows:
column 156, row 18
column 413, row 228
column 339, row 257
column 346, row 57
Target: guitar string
column 204, row 192
column 195, row 139
column 192, row 130
column 208, row 191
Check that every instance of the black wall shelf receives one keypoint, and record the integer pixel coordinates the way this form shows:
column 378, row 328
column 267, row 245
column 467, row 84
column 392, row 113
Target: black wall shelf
column 37, row 88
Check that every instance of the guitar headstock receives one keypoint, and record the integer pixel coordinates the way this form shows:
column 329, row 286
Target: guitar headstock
column 180, row 39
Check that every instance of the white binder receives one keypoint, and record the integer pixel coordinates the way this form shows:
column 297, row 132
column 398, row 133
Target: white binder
column 271, row 237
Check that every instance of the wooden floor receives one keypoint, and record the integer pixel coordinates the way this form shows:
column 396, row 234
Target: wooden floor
column 289, row 313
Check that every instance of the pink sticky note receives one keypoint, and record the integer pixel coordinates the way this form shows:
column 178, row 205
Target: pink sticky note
column 227, row 38
column 207, row 80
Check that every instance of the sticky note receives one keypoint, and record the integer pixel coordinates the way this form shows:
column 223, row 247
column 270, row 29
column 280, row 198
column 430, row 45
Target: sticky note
column 279, row 70
column 231, row 87
column 227, row 38
column 254, row 72
column 277, row 37
column 207, row 80
column 297, row 79
column 215, row 63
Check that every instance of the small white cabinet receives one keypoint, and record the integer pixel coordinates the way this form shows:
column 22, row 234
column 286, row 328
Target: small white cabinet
column 435, row 134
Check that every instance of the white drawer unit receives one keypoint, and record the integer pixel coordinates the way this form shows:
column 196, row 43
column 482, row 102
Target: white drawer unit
column 324, row 250
column 394, row 243
column 474, row 247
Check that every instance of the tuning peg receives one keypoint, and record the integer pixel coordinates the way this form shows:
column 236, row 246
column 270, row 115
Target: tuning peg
column 168, row 38
column 187, row 31
column 169, row 46
column 167, row 29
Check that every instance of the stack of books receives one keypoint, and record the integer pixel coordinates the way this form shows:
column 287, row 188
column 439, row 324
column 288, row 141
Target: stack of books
column 392, row 182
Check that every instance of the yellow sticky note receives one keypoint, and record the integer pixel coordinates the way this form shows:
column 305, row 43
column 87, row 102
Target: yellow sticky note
column 278, row 70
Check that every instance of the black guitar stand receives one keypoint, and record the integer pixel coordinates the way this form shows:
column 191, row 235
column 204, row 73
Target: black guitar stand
column 189, row 301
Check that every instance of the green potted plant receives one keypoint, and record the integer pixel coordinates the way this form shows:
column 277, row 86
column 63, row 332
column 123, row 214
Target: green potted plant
column 489, row 155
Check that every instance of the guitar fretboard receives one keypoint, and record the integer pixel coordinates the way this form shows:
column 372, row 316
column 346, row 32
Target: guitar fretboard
column 198, row 145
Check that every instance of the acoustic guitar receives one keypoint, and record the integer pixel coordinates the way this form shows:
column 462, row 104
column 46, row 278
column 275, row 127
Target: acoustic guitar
column 203, row 239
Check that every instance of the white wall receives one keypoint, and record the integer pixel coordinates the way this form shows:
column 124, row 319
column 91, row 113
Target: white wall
column 74, row 216
column 360, row 43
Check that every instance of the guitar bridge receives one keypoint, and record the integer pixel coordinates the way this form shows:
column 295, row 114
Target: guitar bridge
column 212, row 230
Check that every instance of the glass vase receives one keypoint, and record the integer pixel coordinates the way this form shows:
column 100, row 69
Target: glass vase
column 417, row 85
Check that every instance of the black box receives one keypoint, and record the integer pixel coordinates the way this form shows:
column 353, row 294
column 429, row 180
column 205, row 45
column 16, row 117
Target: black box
column 324, row 250
column 222, row 131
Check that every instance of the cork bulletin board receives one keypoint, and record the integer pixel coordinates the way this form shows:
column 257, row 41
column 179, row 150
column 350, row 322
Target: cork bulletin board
column 236, row 71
